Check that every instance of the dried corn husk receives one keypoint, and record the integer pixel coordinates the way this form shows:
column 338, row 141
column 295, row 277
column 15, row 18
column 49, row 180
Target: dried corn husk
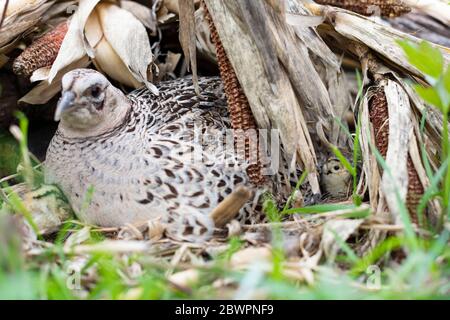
column 144, row 14
column 284, row 86
column 242, row 120
column 20, row 16
column 166, row 69
column 387, row 8
column 380, row 38
column 439, row 10
column 423, row 26
column 328, row 66
column 204, row 44
column 395, row 182
column 388, row 116
column 114, row 39
column 44, row 91
column 174, row 5
column 187, row 37
column 337, row 229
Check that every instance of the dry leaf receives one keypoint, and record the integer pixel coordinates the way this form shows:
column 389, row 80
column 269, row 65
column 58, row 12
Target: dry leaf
column 129, row 40
column 439, row 10
column 341, row 229
column 20, row 16
column 164, row 16
column 44, row 91
column 155, row 230
column 40, row 74
column 72, row 48
column 187, row 37
column 142, row 13
column 248, row 256
column 395, row 181
column 113, row 37
column 168, row 67
column 185, row 278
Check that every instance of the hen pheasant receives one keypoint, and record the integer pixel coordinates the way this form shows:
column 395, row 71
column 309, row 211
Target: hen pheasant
column 171, row 156
column 148, row 156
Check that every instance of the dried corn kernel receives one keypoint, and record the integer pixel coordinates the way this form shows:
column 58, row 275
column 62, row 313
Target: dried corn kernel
column 42, row 52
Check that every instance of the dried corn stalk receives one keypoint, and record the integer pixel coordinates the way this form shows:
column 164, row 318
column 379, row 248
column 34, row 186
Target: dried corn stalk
column 385, row 8
column 390, row 110
column 437, row 9
column 395, row 183
column 380, row 38
column 19, row 16
column 328, row 66
column 423, row 26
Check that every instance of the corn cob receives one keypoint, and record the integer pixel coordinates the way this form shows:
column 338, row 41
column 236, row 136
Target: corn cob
column 42, row 52
column 379, row 116
column 238, row 105
column 387, row 8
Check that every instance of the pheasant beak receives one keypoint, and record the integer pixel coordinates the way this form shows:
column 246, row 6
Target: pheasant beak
column 66, row 101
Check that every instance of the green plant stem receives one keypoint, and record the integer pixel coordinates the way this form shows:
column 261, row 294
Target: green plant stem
column 446, row 155
column 23, row 144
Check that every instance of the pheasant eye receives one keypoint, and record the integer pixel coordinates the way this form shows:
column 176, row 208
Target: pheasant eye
column 95, row 92
column 336, row 168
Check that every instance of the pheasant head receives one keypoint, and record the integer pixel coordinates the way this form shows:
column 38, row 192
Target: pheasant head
column 89, row 104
